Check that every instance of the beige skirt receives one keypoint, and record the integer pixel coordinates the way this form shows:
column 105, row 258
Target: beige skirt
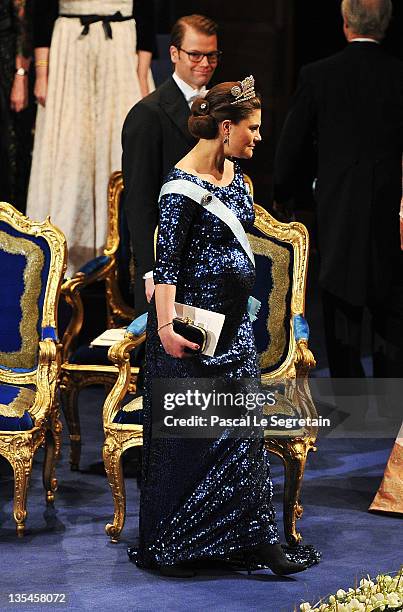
column 389, row 497
column 92, row 85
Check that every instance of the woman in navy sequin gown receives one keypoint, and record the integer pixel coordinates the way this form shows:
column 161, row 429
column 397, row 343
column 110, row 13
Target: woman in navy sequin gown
column 205, row 499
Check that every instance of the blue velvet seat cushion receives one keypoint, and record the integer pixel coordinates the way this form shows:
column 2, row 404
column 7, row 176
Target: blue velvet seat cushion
column 94, row 264
column 128, row 416
column 301, row 328
column 15, row 403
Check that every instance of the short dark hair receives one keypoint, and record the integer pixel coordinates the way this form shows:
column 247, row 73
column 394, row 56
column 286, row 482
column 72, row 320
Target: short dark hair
column 208, row 112
column 200, row 23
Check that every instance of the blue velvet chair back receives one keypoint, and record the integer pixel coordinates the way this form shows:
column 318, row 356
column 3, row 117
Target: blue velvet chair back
column 281, row 253
column 24, row 270
column 274, row 266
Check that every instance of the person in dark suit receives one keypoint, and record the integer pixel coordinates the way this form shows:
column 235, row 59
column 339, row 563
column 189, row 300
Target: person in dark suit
column 351, row 106
column 155, row 136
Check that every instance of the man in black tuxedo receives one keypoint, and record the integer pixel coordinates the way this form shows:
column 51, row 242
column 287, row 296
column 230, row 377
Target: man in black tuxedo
column 155, row 137
column 350, row 106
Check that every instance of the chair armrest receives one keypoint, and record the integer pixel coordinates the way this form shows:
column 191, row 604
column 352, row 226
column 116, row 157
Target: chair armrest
column 94, row 265
column 138, row 326
column 93, row 271
column 46, row 378
column 304, row 359
column 301, row 327
column 119, row 354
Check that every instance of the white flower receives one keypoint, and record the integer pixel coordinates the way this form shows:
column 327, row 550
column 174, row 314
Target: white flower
column 379, row 597
column 340, row 594
column 393, row 599
column 305, row 607
column 356, row 606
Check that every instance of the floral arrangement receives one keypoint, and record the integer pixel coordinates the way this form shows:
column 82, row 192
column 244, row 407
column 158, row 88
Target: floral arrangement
column 385, row 594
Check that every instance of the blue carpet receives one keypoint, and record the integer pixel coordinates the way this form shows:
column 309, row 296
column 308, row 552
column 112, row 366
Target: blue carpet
column 66, row 549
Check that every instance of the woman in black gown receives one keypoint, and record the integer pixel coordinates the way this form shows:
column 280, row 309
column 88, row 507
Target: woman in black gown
column 16, row 118
column 206, row 499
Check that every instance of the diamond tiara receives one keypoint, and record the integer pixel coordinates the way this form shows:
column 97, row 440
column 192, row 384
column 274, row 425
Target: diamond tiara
column 245, row 91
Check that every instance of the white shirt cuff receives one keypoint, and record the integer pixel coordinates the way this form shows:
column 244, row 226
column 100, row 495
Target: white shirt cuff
column 148, row 274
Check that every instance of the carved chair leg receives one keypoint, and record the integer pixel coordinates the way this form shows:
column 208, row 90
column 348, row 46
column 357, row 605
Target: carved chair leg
column 294, row 466
column 49, row 467
column 113, row 465
column 57, row 429
column 22, row 466
column 69, row 399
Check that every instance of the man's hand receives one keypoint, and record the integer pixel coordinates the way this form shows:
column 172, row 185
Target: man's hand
column 149, row 288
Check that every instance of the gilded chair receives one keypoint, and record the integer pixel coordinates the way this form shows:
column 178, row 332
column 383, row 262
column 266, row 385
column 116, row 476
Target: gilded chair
column 282, row 334
column 83, row 366
column 281, row 254
column 32, row 257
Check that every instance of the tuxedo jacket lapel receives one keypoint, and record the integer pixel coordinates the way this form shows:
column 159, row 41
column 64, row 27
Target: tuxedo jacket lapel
column 175, row 106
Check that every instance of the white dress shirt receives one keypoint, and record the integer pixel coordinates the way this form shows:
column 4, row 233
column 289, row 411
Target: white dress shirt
column 188, row 91
column 365, row 40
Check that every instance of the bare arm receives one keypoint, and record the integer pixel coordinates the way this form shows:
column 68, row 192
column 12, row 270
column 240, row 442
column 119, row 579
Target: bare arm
column 143, row 68
column 173, row 343
column 19, row 90
column 41, row 71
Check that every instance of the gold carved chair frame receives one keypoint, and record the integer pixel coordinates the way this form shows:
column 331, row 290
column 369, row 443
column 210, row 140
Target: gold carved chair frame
column 293, row 373
column 74, row 377
column 19, row 447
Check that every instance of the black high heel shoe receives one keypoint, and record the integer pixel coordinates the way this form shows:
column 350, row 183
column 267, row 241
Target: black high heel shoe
column 274, row 557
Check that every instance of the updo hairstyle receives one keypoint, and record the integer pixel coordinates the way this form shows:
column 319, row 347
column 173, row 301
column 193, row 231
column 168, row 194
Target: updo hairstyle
column 208, row 112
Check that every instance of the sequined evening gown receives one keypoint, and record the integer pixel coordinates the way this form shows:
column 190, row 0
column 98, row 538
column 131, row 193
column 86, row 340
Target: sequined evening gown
column 204, row 498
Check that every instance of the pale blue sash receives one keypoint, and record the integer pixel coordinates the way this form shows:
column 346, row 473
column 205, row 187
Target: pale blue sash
column 214, row 205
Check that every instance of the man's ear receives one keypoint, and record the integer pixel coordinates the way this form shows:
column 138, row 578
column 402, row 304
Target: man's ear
column 174, row 53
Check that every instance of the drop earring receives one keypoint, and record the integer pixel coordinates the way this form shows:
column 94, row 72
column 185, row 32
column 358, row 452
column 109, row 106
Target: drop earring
column 226, row 139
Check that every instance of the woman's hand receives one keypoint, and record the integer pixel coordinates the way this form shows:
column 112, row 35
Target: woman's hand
column 41, row 87
column 19, row 93
column 149, row 288
column 144, row 87
column 174, row 344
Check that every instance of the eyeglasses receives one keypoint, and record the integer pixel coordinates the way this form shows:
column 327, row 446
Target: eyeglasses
column 197, row 56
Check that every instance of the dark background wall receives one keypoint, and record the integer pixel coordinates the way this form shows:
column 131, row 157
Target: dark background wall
column 256, row 38
column 270, row 39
